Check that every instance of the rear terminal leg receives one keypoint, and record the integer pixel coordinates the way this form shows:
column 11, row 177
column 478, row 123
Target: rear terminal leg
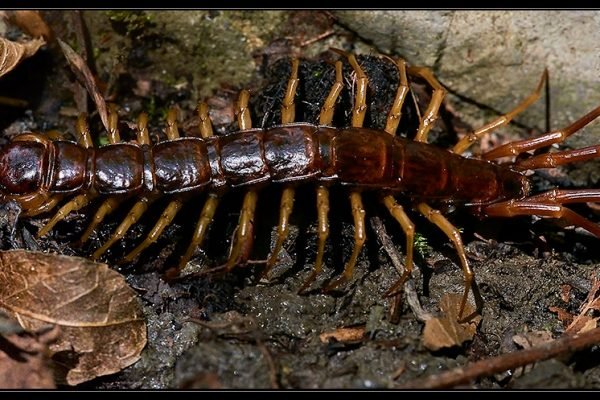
column 520, row 146
column 549, row 205
column 288, row 112
column 453, row 234
column 466, row 142
column 551, row 160
column 432, row 111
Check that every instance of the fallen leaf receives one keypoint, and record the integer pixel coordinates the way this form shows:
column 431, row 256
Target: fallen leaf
column 12, row 53
column 86, row 78
column 532, row 339
column 563, row 315
column 31, row 22
column 24, row 362
column 446, row 331
column 102, row 327
column 351, row 334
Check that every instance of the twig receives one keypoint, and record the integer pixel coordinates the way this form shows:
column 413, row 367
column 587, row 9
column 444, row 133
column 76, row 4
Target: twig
column 412, row 298
column 490, row 366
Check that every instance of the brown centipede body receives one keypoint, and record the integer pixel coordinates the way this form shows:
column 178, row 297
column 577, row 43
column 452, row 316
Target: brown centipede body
column 40, row 173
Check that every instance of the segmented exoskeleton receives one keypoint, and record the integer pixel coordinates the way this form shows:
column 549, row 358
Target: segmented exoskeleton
column 40, row 173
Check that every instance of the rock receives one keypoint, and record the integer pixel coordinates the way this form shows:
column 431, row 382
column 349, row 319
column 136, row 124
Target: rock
column 496, row 58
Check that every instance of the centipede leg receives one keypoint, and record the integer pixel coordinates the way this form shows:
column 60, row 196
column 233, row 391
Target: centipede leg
column 83, row 131
column 358, row 213
column 172, row 131
column 75, row 204
column 432, row 111
column 165, row 220
column 453, row 234
column 243, row 112
column 393, row 118
column 287, row 204
column 205, row 125
column 502, row 120
column 107, row 207
column 113, row 125
column 143, row 137
column 288, row 113
column 323, row 234
column 551, row 160
column 132, row 217
column 549, row 204
column 245, row 229
column 326, row 115
column 206, row 216
column 397, row 211
column 360, row 98
column 40, row 204
column 520, row 146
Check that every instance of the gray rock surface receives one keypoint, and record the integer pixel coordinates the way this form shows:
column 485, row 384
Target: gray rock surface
column 497, row 57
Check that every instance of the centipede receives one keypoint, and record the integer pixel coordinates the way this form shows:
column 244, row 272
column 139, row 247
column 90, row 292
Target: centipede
column 406, row 173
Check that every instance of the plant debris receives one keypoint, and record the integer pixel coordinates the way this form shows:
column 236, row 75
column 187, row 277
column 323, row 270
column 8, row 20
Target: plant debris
column 102, row 327
column 12, row 53
column 447, row 331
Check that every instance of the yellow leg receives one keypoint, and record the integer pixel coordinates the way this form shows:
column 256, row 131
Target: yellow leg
column 245, row 230
column 454, row 235
column 75, row 204
column 113, row 125
column 432, row 111
column 288, row 108
column 360, row 98
column 83, row 130
column 326, row 115
column 242, row 111
column 358, row 213
column 323, row 228
column 206, row 216
column 395, row 113
column 397, row 211
column 165, row 220
column 40, row 204
column 132, row 217
column 287, row 204
column 503, row 120
column 107, row 207
column 205, row 123
column 142, row 129
column 172, row 131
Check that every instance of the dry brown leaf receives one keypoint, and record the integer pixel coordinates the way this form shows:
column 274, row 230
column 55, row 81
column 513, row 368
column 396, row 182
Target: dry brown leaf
column 563, row 315
column 102, row 327
column 532, row 339
column 12, row 53
column 31, row 22
column 86, row 78
column 351, row 334
column 24, row 363
column 446, row 331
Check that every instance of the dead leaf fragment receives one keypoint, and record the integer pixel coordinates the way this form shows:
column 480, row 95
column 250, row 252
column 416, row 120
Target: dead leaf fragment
column 350, row 334
column 86, row 78
column 102, row 327
column 446, row 331
column 12, row 53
